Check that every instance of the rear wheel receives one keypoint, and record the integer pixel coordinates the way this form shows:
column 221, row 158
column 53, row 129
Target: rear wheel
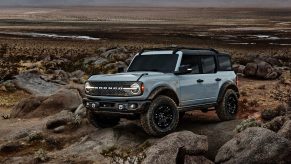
column 102, row 121
column 161, row 118
column 228, row 107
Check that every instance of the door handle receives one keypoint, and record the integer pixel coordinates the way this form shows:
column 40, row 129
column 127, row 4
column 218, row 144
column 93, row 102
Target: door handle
column 200, row 81
column 217, row 79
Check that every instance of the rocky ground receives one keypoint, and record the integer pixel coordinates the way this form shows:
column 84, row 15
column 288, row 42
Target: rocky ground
column 46, row 54
column 43, row 119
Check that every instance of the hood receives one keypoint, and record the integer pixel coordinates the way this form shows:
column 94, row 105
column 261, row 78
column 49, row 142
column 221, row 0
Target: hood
column 128, row 76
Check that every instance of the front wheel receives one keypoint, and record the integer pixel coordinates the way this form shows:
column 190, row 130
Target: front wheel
column 161, row 118
column 228, row 107
column 102, row 121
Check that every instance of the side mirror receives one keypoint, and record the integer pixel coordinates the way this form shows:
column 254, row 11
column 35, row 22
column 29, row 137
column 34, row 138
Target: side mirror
column 184, row 69
column 120, row 69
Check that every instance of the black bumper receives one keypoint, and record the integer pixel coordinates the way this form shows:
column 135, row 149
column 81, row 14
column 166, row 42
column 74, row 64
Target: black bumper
column 115, row 107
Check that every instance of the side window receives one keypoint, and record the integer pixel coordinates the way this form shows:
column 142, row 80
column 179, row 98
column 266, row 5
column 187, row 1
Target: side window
column 208, row 64
column 224, row 63
column 193, row 61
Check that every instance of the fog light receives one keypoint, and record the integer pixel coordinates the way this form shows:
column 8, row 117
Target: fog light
column 133, row 106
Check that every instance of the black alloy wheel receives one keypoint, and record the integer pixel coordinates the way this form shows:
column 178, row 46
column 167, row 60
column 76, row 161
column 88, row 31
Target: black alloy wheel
column 231, row 104
column 163, row 116
column 227, row 108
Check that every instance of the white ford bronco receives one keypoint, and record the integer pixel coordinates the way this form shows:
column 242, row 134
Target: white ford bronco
column 160, row 85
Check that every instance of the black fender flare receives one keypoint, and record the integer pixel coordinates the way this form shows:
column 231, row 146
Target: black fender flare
column 164, row 91
column 224, row 87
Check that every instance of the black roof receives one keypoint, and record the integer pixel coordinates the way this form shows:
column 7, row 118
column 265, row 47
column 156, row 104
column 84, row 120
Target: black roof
column 184, row 50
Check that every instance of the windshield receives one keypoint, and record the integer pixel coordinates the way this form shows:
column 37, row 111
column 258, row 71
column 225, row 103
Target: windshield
column 165, row 63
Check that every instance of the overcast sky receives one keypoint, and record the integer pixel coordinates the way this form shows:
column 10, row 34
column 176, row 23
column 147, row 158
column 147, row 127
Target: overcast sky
column 206, row 3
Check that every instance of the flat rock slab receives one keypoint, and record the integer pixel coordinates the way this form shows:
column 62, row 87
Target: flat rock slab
column 35, row 85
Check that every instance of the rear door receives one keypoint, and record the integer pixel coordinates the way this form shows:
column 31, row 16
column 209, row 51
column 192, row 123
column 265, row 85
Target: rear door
column 225, row 70
column 212, row 81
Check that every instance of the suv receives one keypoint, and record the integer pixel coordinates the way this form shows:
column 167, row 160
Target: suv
column 160, row 85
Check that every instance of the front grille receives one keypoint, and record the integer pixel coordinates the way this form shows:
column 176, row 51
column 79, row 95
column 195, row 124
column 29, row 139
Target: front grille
column 110, row 88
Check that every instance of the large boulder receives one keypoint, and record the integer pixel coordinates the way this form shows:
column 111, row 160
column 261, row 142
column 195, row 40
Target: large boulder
column 77, row 76
column 44, row 106
column 271, row 60
column 63, row 78
column 10, row 147
column 62, row 121
column 115, row 54
column 27, row 106
column 166, row 149
column 7, row 86
column 79, row 87
column 196, row 160
column 285, row 131
column 255, row 145
column 213, row 129
column 251, row 69
column 239, row 68
column 261, row 70
column 95, row 141
column 60, row 77
column 269, row 114
column 266, row 71
column 8, row 69
column 55, row 64
column 276, row 124
column 33, row 83
column 113, row 67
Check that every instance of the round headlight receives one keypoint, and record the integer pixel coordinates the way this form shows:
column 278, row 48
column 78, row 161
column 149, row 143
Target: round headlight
column 88, row 87
column 135, row 89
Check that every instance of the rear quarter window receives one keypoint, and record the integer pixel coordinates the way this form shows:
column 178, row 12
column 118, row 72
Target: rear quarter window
column 208, row 64
column 224, row 63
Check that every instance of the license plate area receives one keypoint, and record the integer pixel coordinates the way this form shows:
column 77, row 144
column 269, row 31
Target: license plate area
column 107, row 105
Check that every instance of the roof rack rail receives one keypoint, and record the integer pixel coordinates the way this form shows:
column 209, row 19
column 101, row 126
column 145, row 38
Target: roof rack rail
column 176, row 49
column 156, row 49
column 185, row 48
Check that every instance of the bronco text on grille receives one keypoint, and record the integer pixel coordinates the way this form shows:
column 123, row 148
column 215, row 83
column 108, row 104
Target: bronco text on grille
column 110, row 88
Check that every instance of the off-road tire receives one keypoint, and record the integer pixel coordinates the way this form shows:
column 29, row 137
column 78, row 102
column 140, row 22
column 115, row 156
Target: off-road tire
column 102, row 121
column 224, row 110
column 148, row 120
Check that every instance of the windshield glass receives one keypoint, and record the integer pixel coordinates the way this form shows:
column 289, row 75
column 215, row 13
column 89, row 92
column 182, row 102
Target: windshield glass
column 165, row 63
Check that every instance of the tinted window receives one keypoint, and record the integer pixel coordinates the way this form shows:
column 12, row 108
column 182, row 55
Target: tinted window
column 193, row 61
column 208, row 64
column 157, row 63
column 224, row 63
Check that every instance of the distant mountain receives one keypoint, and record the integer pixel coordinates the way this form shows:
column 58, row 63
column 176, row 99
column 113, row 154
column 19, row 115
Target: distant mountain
column 201, row 3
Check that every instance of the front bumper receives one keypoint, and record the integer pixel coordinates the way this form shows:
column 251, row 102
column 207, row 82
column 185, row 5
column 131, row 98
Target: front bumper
column 115, row 107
